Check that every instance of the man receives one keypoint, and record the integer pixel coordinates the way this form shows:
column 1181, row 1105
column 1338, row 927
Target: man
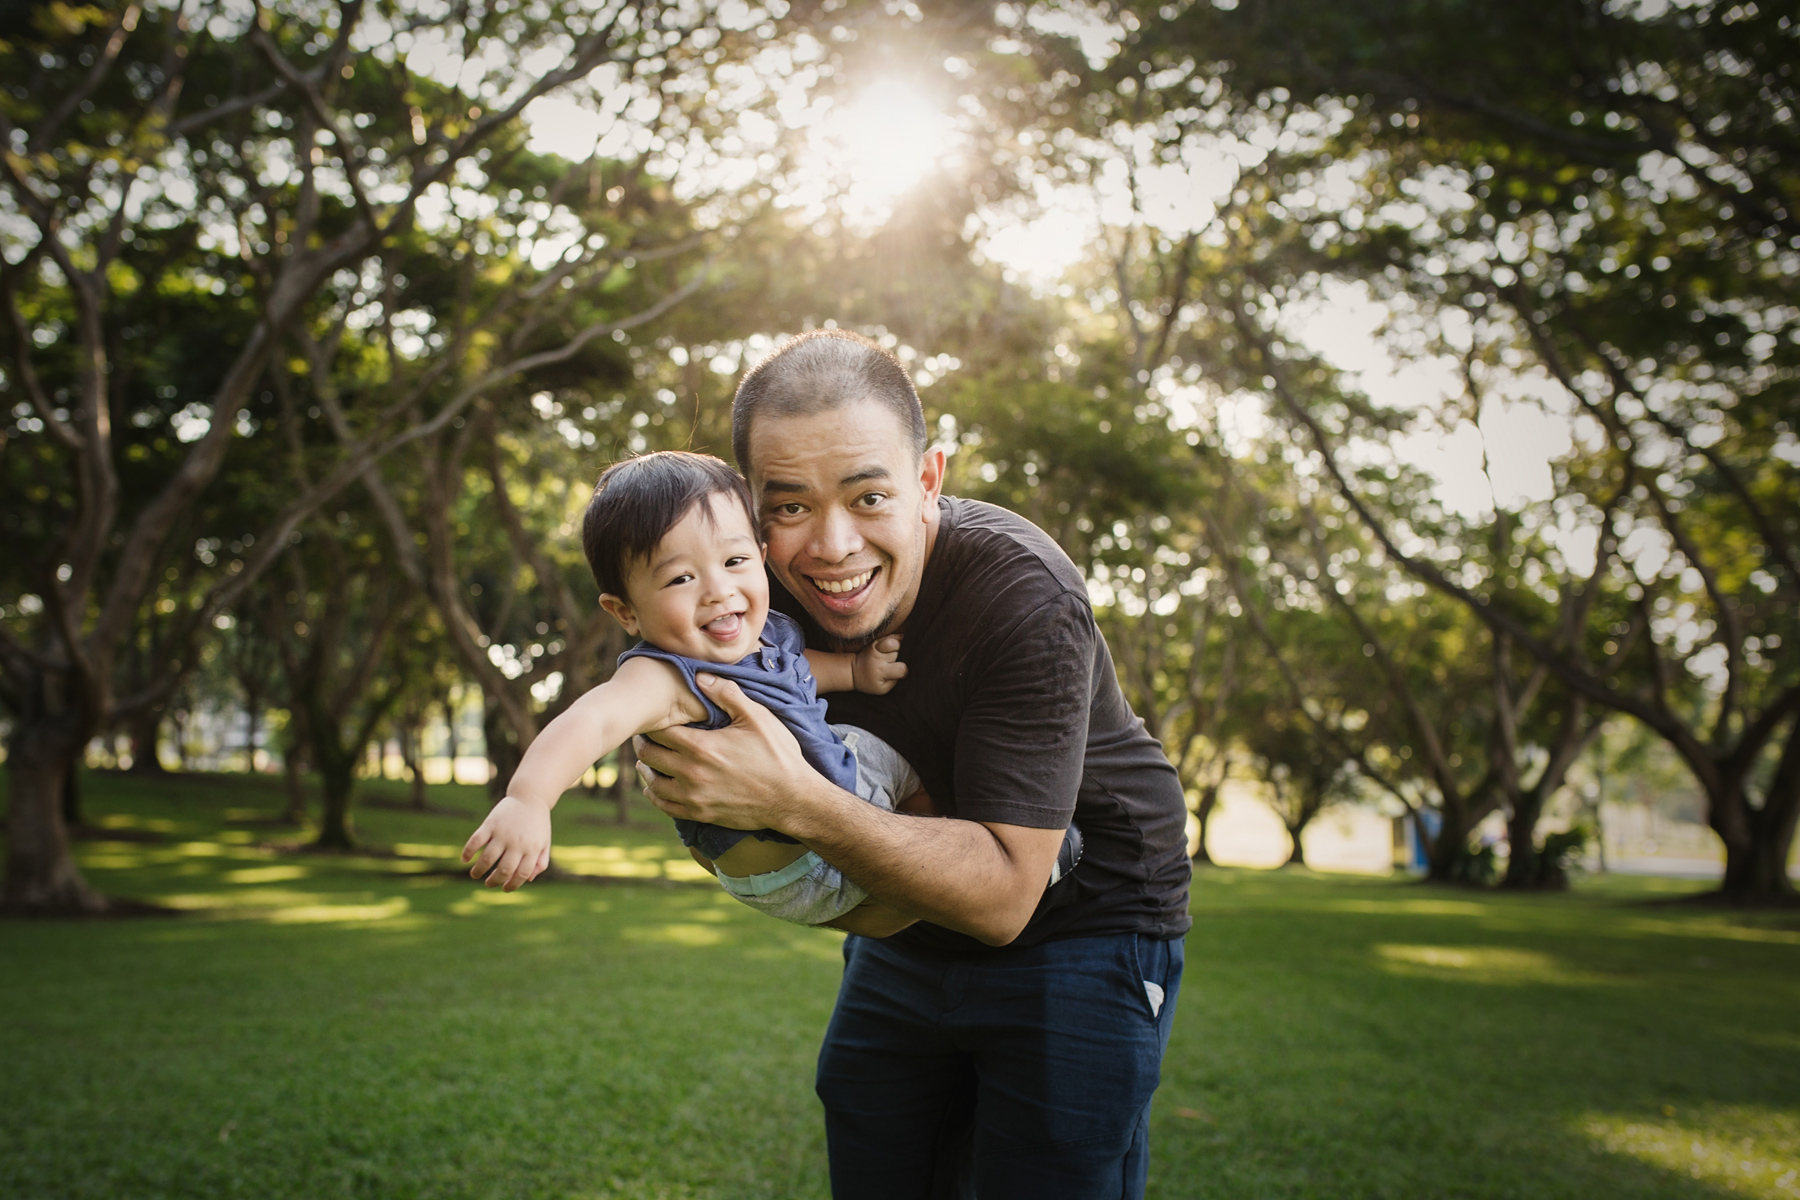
column 1015, row 1032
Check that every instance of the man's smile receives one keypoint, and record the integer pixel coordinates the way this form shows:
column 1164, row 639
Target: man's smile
column 842, row 595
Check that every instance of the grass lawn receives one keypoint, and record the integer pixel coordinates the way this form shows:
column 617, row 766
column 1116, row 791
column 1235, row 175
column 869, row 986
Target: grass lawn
column 376, row 1026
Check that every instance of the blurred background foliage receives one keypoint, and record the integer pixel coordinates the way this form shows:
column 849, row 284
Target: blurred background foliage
column 1414, row 385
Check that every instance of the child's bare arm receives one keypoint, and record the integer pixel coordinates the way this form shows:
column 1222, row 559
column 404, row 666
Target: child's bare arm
column 873, row 669
column 514, row 841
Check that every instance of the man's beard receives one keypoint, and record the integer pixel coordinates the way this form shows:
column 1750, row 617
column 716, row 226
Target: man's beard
column 853, row 645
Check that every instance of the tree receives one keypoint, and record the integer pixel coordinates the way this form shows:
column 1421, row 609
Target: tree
column 1610, row 209
column 1616, row 212
column 339, row 621
column 162, row 156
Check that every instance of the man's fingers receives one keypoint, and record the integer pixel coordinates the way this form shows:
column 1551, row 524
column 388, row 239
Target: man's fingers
column 666, row 746
column 679, row 809
column 654, row 764
column 659, row 788
column 728, row 696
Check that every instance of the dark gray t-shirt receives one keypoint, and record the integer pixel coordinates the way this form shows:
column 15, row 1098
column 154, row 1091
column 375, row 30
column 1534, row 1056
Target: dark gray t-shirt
column 1010, row 712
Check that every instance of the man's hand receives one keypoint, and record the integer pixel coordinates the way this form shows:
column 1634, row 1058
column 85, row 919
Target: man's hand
column 514, row 844
column 980, row 879
column 741, row 777
column 877, row 666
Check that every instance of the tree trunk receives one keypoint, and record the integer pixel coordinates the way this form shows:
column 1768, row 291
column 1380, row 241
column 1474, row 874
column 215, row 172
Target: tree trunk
column 1600, row 809
column 1757, row 871
column 1756, row 867
column 1521, row 840
column 502, row 751
column 626, row 783
column 1297, row 855
column 293, row 765
column 252, row 709
column 337, row 783
column 411, row 738
column 1448, row 848
column 1209, row 800
column 41, row 876
column 145, row 730
column 450, row 746
column 181, row 740
column 71, row 797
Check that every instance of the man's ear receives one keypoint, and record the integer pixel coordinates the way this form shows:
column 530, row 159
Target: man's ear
column 931, row 475
column 620, row 610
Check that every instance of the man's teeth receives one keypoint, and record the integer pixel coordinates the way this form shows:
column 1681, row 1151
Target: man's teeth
column 838, row 586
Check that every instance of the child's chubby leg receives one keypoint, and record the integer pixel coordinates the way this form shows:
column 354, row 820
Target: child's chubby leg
column 753, row 856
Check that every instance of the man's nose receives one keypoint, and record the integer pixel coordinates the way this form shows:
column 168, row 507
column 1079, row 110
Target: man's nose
column 835, row 537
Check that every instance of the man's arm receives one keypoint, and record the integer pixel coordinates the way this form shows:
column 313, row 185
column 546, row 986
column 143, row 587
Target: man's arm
column 871, row 918
column 984, row 880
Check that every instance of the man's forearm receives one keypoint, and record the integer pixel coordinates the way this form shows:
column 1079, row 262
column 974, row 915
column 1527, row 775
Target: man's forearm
column 958, row 874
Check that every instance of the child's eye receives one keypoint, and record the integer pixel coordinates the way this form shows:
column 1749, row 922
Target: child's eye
column 737, row 560
column 678, row 580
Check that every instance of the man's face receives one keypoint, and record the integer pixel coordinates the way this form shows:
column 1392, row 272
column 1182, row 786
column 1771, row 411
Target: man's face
column 848, row 512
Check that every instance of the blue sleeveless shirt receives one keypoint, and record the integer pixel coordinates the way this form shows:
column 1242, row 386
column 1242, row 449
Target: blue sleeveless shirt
column 777, row 676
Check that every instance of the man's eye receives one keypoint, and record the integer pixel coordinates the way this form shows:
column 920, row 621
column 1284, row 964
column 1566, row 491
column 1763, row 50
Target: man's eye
column 789, row 510
column 871, row 499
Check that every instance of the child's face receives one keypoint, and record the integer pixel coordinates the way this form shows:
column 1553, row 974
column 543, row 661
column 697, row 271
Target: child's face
column 702, row 592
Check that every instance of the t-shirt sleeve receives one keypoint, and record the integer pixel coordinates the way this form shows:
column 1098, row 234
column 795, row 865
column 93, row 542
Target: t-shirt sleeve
column 1022, row 741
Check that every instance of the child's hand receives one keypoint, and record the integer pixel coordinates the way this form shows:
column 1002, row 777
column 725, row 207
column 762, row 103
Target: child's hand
column 514, row 844
column 877, row 667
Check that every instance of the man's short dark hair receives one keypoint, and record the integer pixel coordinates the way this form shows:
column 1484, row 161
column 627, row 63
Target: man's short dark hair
column 818, row 371
column 640, row 499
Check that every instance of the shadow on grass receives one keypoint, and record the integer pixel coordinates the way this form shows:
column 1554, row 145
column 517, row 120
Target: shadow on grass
column 384, row 1026
column 1348, row 1038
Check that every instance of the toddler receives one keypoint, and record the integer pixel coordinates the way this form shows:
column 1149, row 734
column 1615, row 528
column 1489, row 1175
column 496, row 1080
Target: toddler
column 672, row 542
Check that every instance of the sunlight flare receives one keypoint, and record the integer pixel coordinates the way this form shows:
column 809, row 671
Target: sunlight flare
column 867, row 152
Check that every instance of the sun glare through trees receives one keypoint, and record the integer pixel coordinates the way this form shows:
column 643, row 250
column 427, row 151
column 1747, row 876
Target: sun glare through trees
column 1413, row 390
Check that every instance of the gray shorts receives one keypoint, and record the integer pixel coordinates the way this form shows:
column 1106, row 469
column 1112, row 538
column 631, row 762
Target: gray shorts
column 809, row 890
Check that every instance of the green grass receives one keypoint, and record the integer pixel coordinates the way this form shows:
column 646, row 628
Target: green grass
column 365, row 1026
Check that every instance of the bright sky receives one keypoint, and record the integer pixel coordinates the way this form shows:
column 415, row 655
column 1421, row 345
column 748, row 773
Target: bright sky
column 864, row 153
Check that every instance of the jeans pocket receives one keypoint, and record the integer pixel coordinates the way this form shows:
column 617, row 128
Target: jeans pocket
column 1145, row 983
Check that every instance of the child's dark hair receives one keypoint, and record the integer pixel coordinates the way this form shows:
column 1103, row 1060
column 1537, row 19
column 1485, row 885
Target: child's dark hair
column 639, row 500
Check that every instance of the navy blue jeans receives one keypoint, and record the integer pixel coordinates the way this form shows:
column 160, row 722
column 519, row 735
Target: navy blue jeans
column 1022, row 1073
